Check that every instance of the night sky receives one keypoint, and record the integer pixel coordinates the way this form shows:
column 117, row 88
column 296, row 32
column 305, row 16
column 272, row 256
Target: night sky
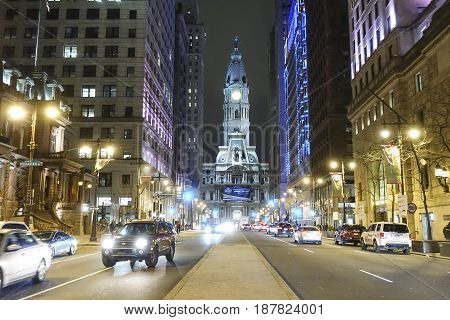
column 252, row 21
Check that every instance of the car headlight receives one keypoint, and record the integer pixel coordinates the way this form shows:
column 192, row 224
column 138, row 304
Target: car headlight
column 108, row 243
column 141, row 243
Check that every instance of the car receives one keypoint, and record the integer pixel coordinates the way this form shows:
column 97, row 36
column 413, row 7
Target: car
column 387, row 236
column 271, row 227
column 22, row 256
column 260, row 227
column 308, row 234
column 58, row 241
column 246, row 226
column 283, row 229
column 140, row 240
column 348, row 234
column 14, row 225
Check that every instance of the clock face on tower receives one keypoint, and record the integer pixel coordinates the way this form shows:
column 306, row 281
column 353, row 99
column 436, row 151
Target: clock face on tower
column 236, row 95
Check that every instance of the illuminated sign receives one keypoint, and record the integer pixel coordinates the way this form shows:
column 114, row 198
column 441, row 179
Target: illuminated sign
column 236, row 194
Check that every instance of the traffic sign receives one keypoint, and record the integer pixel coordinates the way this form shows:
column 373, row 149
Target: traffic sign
column 412, row 208
column 31, row 163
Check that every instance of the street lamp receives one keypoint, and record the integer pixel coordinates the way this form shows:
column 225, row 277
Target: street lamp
column 385, row 133
column 18, row 113
column 441, row 174
column 334, row 165
column 414, row 133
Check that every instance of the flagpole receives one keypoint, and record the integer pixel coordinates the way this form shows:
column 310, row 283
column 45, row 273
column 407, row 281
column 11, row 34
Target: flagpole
column 37, row 36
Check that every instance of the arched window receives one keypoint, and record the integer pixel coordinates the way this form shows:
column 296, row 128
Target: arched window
column 228, row 79
column 236, row 114
column 244, row 79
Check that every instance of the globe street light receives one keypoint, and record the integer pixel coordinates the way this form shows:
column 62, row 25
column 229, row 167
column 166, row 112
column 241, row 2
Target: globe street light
column 385, row 133
column 442, row 174
column 414, row 133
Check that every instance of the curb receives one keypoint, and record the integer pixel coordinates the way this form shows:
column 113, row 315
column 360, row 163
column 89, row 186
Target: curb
column 92, row 244
column 172, row 293
column 428, row 256
column 290, row 293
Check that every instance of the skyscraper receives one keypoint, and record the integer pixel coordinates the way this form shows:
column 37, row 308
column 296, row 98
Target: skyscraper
column 115, row 61
column 192, row 137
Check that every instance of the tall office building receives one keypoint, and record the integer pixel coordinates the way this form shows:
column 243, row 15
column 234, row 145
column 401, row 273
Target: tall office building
column 329, row 94
column 115, row 61
column 193, row 134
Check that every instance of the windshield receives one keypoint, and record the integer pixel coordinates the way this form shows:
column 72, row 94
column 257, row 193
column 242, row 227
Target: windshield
column 356, row 227
column 44, row 235
column 399, row 228
column 284, row 225
column 137, row 228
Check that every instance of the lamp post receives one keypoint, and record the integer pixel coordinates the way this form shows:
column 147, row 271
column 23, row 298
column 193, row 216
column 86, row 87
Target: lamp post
column 441, row 174
column 335, row 165
column 18, row 113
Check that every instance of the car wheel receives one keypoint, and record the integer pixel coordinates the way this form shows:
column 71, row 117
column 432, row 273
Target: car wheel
column 71, row 250
column 407, row 251
column 132, row 263
column 171, row 254
column 336, row 240
column 355, row 243
column 108, row 262
column 376, row 247
column 1, row 280
column 320, row 242
column 275, row 235
column 153, row 261
column 40, row 273
column 363, row 245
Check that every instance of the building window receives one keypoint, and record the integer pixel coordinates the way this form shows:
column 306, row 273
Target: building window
column 30, row 33
column 91, row 33
column 69, row 90
column 131, row 33
column 29, row 52
column 88, row 91
column 128, row 133
column 111, row 51
column 129, row 92
column 85, row 153
column 51, row 32
column 68, row 71
column 128, row 112
column 32, row 14
column 71, row 32
column 49, row 69
column 131, row 52
column 53, row 14
column 133, row 14
column 108, row 111
column 112, row 32
column 86, row 133
column 125, row 202
column 89, row 71
column 109, row 91
column 112, row 14
column 377, row 12
column 107, row 133
column 72, row 14
column 8, row 52
column 10, row 33
column 70, row 51
column 11, row 13
column 126, row 180
column 110, row 71
column 87, row 111
column 130, row 71
column 90, row 51
column 391, row 99
column 105, row 179
column 49, row 52
column 127, row 154
column 419, row 83
column 93, row 14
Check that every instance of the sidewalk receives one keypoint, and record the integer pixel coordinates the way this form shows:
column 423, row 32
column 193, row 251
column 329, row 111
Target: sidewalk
column 233, row 269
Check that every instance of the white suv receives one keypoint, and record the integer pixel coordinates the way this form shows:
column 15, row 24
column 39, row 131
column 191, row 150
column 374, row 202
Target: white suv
column 17, row 225
column 387, row 236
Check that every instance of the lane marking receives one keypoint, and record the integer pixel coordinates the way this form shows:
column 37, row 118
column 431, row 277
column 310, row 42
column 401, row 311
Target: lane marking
column 291, row 244
column 76, row 258
column 308, row 250
column 333, row 246
column 65, row 284
column 374, row 275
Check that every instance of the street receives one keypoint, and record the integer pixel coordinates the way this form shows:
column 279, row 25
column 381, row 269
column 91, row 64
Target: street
column 83, row 275
column 329, row 271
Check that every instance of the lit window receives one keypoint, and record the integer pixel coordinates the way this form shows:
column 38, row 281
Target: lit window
column 70, row 51
column 88, row 91
column 125, row 202
column 85, row 153
column 419, row 83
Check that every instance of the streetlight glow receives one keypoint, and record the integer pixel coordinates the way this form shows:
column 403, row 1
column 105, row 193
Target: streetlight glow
column 320, row 181
column 52, row 112
column 385, row 133
column 16, row 113
column 306, row 180
column 352, row 165
column 414, row 133
column 333, row 164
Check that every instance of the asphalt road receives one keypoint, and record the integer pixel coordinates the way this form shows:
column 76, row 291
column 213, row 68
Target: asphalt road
column 329, row 271
column 83, row 275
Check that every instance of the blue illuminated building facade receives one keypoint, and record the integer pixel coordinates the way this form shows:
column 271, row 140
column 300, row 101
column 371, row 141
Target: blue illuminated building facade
column 294, row 113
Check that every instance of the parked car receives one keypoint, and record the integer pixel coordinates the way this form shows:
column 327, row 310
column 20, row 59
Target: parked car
column 348, row 234
column 283, row 229
column 387, row 236
column 140, row 240
column 22, row 256
column 58, row 241
column 14, row 225
column 246, row 226
column 308, row 235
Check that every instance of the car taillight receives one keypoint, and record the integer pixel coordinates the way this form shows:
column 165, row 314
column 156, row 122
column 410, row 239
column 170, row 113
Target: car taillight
column 381, row 234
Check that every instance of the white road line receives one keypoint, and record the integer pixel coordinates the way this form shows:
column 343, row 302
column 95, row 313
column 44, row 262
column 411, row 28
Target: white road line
column 65, row 284
column 333, row 246
column 80, row 257
column 291, row 244
column 374, row 275
column 308, row 250
column 362, row 252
